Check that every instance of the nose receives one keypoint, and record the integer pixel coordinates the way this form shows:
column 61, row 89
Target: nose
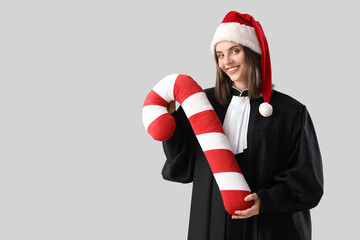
column 227, row 59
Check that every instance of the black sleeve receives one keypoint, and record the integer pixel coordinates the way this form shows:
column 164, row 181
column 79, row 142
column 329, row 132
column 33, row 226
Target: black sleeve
column 300, row 186
column 180, row 151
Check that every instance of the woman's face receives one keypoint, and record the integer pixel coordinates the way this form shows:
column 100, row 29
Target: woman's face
column 231, row 59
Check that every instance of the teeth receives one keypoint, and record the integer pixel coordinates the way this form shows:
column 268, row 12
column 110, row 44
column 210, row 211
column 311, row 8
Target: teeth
column 232, row 69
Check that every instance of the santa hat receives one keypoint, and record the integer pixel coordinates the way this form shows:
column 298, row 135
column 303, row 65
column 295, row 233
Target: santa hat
column 245, row 30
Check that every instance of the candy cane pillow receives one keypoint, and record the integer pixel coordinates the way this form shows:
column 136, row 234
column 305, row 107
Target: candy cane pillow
column 207, row 128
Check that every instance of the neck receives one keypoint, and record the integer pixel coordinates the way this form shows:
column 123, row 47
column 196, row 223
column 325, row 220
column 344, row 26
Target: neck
column 240, row 85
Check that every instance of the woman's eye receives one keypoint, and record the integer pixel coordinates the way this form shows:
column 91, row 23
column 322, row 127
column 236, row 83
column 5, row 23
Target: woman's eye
column 235, row 51
column 220, row 55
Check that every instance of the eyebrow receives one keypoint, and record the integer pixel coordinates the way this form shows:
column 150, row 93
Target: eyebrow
column 234, row 46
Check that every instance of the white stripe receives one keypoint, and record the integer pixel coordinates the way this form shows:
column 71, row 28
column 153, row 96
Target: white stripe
column 231, row 181
column 213, row 140
column 165, row 87
column 151, row 112
column 196, row 103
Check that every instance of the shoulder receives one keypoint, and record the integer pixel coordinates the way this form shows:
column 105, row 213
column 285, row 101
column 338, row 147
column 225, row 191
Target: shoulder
column 287, row 109
column 218, row 108
column 280, row 97
column 210, row 93
column 283, row 102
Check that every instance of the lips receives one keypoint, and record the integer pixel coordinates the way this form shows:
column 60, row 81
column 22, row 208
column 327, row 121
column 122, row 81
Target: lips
column 232, row 70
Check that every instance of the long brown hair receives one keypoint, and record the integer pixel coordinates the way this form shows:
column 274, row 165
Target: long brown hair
column 223, row 82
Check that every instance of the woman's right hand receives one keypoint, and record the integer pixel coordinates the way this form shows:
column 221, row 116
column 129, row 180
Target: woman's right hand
column 171, row 107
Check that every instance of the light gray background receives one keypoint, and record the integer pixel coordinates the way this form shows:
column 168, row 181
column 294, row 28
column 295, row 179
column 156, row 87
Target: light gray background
column 75, row 160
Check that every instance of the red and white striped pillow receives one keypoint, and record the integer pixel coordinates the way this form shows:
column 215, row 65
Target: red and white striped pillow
column 207, row 128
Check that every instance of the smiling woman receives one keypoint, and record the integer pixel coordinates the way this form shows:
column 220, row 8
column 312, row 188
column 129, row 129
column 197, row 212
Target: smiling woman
column 224, row 81
column 232, row 61
column 271, row 135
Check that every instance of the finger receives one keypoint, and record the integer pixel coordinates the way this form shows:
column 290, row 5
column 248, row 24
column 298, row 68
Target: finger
column 241, row 217
column 238, row 212
column 251, row 197
column 244, row 212
column 247, row 212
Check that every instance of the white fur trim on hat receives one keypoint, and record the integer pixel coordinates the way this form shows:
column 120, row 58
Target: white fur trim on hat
column 238, row 33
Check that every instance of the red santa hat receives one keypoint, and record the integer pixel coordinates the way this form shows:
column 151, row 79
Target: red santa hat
column 245, row 30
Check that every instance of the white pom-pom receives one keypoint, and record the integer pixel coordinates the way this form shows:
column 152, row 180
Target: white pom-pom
column 265, row 109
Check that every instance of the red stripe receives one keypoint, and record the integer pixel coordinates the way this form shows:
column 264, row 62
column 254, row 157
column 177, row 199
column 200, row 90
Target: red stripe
column 222, row 160
column 184, row 87
column 155, row 99
column 162, row 128
column 234, row 200
column 205, row 122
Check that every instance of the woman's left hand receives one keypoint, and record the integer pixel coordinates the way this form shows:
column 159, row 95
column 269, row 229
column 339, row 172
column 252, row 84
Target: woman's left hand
column 252, row 211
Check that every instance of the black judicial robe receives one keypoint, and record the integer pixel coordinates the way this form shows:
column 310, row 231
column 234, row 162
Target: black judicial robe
column 282, row 164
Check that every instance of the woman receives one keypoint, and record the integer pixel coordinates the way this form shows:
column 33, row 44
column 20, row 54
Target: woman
column 273, row 140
